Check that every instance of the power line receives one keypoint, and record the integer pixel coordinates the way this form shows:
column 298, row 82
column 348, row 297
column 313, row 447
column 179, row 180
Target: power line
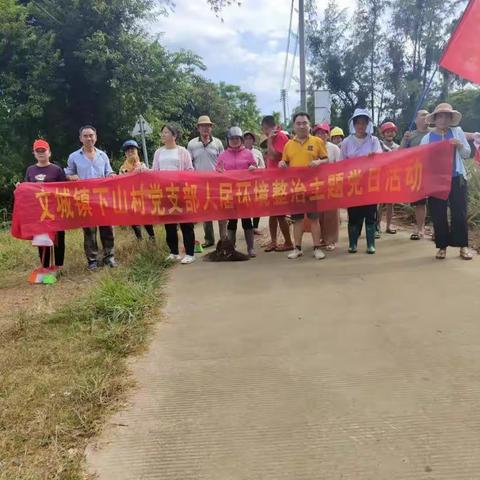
column 301, row 40
column 288, row 45
column 293, row 63
column 46, row 12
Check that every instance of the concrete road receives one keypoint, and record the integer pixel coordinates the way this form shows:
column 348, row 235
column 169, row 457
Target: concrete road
column 356, row 367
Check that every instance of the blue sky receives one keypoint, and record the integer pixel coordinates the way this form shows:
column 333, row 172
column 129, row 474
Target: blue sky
column 246, row 49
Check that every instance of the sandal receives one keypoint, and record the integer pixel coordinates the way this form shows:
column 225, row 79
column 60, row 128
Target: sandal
column 284, row 248
column 270, row 247
column 465, row 253
column 441, row 254
column 391, row 231
column 416, row 236
column 330, row 247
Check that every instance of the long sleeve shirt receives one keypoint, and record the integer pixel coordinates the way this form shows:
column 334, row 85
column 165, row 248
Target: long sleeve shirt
column 462, row 152
column 235, row 159
column 359, row 147
column 79, row 164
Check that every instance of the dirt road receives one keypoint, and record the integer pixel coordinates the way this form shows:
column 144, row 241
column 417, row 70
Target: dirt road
column 356, row 367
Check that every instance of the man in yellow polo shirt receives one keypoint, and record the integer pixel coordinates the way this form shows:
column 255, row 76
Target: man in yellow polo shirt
column 305, row 150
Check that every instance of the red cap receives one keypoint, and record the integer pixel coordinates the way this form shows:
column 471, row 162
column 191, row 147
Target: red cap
column 41, row 144
column 323, row 126
column 388, row 126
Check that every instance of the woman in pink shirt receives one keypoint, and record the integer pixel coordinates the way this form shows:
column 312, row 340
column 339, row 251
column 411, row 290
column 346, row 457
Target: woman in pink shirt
column 237, row 157
column 172, row 157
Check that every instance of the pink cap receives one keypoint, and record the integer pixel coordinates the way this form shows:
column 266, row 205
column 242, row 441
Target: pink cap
column 322, row 126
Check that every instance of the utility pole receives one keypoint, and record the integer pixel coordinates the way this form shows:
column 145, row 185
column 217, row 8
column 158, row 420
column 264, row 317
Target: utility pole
column 144, row 143
column 283, row 97
column 301, row 41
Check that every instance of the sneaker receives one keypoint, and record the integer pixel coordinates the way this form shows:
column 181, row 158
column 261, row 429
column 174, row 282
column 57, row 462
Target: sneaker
column 251, row 253
column 295, row 254
column 173, row 258
column 92, row 266
column 110, row 263
column 318, row 254
column 371, row 250
column 208, row 244
column 187, row 259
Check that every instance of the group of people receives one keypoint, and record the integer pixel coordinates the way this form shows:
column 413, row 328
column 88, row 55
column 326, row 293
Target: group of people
column 310, row 146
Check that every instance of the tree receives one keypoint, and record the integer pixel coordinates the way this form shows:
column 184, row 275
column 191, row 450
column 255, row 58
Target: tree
column 241, row 107
column 27, row 58
column 383, row 57
column 91, row 62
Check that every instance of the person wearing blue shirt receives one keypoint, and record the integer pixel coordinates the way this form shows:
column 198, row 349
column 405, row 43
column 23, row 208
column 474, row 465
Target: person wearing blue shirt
column 455, row 234
column 86, row 163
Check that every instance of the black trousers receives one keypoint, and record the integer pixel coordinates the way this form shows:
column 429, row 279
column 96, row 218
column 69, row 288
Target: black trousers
column 367, row 213
column 138, row 231
column 58, row 252
column 454, row 234
column 246, row 224
column 171, row 230
column 256, row 222
column 90, row 244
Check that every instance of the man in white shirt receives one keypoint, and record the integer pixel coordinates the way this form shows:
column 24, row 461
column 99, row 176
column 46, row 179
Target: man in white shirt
column 205, row 150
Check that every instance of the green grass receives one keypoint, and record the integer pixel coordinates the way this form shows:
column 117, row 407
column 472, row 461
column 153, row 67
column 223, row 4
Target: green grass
column 18, row 257
column 63, row 372
column 406, row 212
column 473, row 170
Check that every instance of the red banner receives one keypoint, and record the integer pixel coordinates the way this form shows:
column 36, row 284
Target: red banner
column 175, row 197
column 462, row 55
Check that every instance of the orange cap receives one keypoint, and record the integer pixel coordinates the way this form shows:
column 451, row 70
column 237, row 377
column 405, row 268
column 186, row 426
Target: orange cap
column 41, row 144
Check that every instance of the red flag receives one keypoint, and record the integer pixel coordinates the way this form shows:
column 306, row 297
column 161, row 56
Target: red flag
column 462, row 55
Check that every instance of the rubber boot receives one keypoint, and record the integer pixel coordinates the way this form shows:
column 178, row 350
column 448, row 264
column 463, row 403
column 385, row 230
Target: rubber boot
column 250, row 240
column 370, row 233
column 353, row 232
column 232, row 236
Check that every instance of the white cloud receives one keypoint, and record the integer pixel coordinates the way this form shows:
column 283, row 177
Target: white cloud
column 247, row 48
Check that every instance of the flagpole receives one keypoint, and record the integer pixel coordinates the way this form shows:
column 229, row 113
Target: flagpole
column 422, row 98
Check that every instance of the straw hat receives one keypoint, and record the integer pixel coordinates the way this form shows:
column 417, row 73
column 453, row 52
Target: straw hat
column 204, row 120
column 251, row 134
column 445, row 108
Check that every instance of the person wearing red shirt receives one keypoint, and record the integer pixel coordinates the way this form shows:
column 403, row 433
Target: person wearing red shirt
column 276, row 141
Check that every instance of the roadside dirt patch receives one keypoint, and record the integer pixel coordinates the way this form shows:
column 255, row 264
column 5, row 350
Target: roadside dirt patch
column 42, row 299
